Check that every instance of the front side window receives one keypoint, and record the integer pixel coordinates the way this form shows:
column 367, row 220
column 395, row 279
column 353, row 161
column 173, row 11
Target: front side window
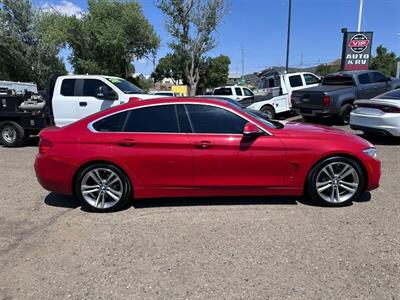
column 91, row 87
column 378, row 77
column 223, row 92
column 364, row 78
column 238, row 91
column 247, row 92
column 68, row 87
column 113, row 123
column 310, row 79
column 211, row 119
column 160, row 118
column 295, row 81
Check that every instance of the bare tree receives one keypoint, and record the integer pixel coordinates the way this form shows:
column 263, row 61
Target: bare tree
column 191, row 23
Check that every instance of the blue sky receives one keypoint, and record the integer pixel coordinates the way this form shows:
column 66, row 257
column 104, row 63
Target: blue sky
column 260, row 27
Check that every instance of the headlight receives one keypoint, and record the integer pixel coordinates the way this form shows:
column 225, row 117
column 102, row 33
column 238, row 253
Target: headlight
column 370, row 151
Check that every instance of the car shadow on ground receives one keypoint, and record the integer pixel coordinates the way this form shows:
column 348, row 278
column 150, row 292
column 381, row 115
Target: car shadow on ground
column 57, row 200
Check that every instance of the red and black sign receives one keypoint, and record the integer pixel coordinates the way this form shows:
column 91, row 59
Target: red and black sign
column 356, row 52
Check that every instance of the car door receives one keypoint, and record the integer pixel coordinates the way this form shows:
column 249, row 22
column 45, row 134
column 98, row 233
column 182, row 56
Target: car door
column 380, row 83
column 91, row 101
column 65, row 101
column 224, row 158
column 366, row 89
column 147, row 141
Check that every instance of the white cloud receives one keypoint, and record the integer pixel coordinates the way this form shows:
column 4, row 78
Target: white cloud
column 64, row 7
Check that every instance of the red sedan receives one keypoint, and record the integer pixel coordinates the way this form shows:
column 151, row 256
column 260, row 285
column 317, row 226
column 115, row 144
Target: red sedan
column 199, row 147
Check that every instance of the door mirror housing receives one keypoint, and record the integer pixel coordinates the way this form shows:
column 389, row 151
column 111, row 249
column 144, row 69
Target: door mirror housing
column 251, row 130
column 104, row 92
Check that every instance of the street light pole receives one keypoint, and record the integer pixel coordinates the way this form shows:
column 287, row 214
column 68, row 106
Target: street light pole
column 288, row 36
column 360, row 9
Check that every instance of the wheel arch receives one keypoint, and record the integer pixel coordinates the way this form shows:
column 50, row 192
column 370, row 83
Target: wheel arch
column 340, row 154
column 100, row 161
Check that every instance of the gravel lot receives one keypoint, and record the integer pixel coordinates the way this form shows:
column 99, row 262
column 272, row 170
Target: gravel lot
column 255, row 248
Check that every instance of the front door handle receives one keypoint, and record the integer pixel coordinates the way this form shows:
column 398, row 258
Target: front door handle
column 126, row 143
column 82, row 103
column 204, row 144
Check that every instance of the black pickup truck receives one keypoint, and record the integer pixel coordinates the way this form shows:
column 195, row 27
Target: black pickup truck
column 334, row 97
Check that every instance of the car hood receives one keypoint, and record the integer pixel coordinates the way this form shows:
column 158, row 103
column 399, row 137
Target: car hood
column 320, row 132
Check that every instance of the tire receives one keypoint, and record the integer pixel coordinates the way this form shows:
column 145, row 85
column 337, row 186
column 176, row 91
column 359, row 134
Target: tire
column 96, row 194
column 344, row 114
column 12, row 134
column 269, row 111
column 323, row 188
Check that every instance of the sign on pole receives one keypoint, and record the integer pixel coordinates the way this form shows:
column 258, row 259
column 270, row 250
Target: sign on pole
column 356, row 52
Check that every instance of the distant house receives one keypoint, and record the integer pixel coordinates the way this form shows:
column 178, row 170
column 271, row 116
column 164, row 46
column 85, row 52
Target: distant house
column 233, row 78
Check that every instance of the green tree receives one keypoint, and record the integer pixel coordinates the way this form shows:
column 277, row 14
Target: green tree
column 384, row 61
column 106, row 39
column 169, row 66
column 24, row 56
column 215, row 72
column 191, row 24
column 325, row 69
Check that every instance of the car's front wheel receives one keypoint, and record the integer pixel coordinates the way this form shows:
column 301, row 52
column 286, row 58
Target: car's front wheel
column 336, row 181
column 102, row 188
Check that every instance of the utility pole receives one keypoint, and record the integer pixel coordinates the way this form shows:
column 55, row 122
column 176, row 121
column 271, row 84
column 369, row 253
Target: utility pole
column 288, row 36
column 242, row 62
column 360, row 9
column 301, row 63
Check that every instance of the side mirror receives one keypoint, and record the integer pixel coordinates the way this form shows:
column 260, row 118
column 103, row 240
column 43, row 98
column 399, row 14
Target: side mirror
column 388, row 79
column 251, row 130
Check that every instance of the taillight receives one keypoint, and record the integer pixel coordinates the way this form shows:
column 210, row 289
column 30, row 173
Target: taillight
column 44, row 146
column 382, row 107
column 133, row 99
column 326, row 100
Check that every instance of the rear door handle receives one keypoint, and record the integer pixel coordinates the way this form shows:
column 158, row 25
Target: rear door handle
column 204, row 144
column 126, row 143
column 82, row 103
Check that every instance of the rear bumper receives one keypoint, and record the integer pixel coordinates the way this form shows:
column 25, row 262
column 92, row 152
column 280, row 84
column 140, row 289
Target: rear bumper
column 386, row 124
column 309, row 112
column 54, row 174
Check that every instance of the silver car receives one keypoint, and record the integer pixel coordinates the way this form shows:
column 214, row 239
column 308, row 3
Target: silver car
column 379, row 115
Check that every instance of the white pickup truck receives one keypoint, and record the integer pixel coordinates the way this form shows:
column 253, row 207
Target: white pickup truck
column 236, row 92
column 274, row 90
column 68, row 99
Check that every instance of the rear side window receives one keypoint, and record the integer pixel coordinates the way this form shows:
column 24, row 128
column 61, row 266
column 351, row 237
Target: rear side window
column 310, row 79
column 161, row 118
column 211, row 119
column 238, row 91
column 223, row 92
column 113, row 123
column 364, row 78
column 295, row 81
column 68, row 87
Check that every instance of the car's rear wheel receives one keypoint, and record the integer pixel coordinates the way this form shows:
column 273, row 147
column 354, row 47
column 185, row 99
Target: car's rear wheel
column 12, row 134
column 102, row 188
column 336, row 181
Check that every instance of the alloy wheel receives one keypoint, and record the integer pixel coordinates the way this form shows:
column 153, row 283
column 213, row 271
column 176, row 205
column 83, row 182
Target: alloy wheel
column 337, row 182
column 9, row 134
column 102, row 188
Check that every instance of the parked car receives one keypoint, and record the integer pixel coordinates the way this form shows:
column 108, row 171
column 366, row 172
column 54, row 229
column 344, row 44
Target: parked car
column 336, row 95
column 199, row 147
column 237, row 103
column 234, row 91
column 68, row 99
column 380, row 115
column 165, row 93
column 274, row 91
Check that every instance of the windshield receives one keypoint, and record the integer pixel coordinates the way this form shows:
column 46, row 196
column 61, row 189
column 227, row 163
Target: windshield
column 338, row 80
column 125, row 86
column 392, row 95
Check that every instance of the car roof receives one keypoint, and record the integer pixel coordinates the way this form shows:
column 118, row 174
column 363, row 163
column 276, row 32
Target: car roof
column 351, row 73
column 88, row 76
